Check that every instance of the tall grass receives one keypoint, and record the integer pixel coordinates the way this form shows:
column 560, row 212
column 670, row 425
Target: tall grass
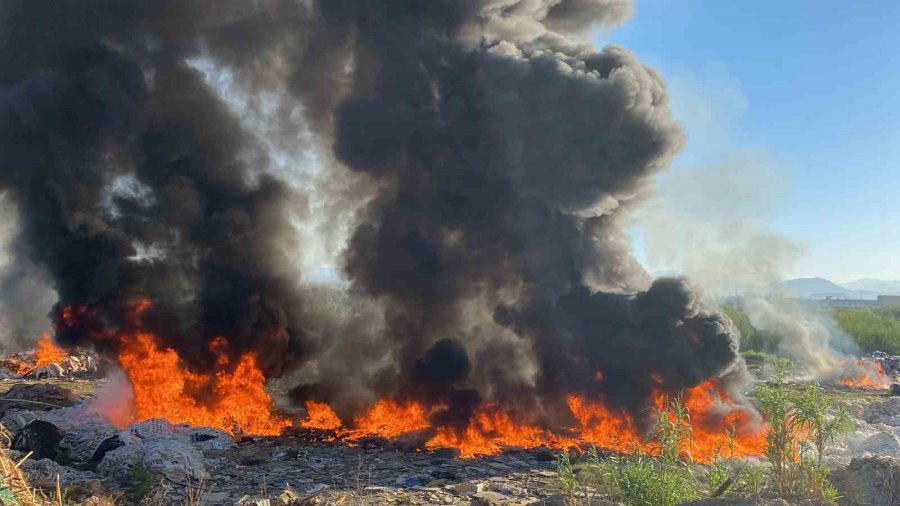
column 796, row 423
column 875, row 329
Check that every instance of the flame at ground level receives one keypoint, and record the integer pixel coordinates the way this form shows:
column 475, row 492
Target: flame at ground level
column 232, row 398
column 717, row 426
column 46, row 353
column 870, row 376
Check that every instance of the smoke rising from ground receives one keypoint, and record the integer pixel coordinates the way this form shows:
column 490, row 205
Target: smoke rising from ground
column 486, row 160
column 25, row 296
column 712, row 224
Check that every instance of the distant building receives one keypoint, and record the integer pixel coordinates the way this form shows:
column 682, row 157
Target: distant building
column 841, row 302
column 889, row 300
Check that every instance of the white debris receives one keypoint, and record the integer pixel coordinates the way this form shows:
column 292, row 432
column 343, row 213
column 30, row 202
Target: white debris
column 174, row 458
column 82, row 444
column 6, row 374
column 207, row 438
column 154, row 427
column 118, row 463
column 49, row 371
column 70, row 418
column 15, row 419
column 46, row 471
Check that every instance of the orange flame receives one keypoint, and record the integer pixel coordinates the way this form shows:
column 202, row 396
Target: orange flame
column 872, row 376
column 389, row 419
column 491, row 429
column 232, row 399
column 46, row 353
column 320, row 416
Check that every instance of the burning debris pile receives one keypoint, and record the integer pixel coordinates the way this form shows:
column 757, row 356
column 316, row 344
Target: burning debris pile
column 491, row 431
column 50, row 361
column 868, row 374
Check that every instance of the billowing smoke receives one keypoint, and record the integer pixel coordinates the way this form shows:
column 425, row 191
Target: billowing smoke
column 809, row 337
column 496, row 156
column 712, row 223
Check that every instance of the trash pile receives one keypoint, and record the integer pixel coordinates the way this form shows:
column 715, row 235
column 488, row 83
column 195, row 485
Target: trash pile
column 62, row 436
column 890, row 364
column 37, row 365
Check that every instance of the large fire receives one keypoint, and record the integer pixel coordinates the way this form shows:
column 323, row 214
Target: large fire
column 870, row 376
column 490, row 429
column 233, row 398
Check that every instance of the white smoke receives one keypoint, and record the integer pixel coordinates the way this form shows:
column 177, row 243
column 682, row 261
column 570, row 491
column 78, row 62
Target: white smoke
column 25, row 293
column 713, row 224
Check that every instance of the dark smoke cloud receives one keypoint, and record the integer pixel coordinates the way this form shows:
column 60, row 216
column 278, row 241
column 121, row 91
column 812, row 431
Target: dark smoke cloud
column 497, row 154
column 509, row 153
column 97, row 92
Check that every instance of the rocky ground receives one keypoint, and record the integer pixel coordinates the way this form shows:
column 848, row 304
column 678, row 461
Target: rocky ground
column 157, row 463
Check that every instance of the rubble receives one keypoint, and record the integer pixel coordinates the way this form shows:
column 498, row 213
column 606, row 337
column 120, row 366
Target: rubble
column 172, row 457
column 870, row 480
column 885, row 412
column 37, row 397
column 890, row 363
column 89, row 443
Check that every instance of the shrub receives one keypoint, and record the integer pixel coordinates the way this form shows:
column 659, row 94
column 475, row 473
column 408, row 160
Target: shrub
column 795, row 420
column 876, row 329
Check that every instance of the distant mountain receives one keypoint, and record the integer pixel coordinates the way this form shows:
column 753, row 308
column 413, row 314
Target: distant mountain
column 815, row 288
column 880, row 286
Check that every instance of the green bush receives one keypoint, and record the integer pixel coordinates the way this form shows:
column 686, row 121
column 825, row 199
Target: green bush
column 797, row 421
column 876, row 329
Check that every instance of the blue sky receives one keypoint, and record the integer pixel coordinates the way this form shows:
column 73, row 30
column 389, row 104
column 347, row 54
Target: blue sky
column 815, row 86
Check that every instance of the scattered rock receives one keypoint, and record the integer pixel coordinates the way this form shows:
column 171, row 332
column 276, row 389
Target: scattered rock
column 217, row 497
column 468, row 488
column 885, row 412
column 882, row 443
column 490, row 498
column 870, row 480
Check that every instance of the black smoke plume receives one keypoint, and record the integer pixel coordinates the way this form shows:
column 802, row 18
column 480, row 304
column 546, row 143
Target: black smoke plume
column 497, row 155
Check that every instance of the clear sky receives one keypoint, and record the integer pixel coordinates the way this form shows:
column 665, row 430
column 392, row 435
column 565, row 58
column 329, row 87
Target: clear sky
column 813, row 84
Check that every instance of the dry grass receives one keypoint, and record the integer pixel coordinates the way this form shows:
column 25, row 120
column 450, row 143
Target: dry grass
column 14, row 479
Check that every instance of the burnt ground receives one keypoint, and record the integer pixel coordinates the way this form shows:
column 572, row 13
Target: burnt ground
column 377, row 476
